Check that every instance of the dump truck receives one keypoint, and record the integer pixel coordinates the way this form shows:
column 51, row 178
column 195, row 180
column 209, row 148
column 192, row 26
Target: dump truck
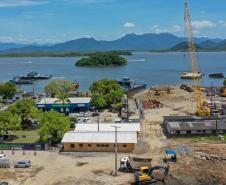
column 148, row 176
column 170, row 156
column 132, row 164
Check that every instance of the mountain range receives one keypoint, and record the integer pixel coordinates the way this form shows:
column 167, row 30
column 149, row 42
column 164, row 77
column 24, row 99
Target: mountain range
column 134, row 42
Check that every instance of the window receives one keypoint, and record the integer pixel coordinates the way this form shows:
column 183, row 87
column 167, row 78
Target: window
column 177, row 132
column 102, row 145
column 204, row 131
column 124, row 146
column 72, row 145
column 188, row 131
column 80, row 145
column 89, row 145
column 106, row 145
column 98, row 145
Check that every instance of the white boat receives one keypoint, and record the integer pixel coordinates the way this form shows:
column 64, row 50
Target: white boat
column 190, row 75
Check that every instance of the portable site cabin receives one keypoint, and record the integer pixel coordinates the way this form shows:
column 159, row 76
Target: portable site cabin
column 102, row 141
column 192, row 125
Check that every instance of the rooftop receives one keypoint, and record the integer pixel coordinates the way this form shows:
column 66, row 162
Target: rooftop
column 74, row 100
column 99, row 137
column 123, row 127
column 197, row 125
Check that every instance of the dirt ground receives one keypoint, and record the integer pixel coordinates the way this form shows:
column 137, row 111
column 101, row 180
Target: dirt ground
column 51, row 168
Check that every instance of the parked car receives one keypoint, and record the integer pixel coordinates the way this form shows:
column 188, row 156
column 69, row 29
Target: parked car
column 95, row 114
column 4, row 183
column 23, row 164
column 3, row 156
column 87, row 114
column 86, row 120
column 81, row 114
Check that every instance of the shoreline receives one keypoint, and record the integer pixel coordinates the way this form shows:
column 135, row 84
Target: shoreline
column 65, row 55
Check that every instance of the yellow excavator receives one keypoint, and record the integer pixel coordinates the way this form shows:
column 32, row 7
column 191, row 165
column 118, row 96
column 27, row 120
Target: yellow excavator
column 202, row 108
column 148, row 175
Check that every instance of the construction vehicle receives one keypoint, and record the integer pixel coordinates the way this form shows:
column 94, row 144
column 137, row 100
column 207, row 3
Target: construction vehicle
column 223, row 92
column 132, row 164
column 170, row 156
column 201, row 106
column 152, row 175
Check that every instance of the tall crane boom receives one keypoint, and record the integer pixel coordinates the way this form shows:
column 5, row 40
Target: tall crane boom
column 191, row 43
column 201, row 107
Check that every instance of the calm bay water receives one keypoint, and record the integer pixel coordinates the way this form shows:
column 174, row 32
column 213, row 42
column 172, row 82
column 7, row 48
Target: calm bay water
column 152, row 69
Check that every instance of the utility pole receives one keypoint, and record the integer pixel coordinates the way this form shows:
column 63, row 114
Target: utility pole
column 116, row 150
column 127, row 103
column 98, row 123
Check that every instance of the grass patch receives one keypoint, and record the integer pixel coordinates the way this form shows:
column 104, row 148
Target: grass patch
column 202, row 138
column 23, row 136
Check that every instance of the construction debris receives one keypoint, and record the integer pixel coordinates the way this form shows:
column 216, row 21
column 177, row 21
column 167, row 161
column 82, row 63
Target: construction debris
column 151, row 104
column 204, row 156
column 186, row 88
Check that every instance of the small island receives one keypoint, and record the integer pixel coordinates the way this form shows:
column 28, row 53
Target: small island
column 102, row 59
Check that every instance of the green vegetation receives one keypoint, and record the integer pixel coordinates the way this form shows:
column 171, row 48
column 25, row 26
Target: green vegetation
column 60, row 88
column 52, row 126
column 16, row 120
column 23, row 136
column 8, row 90
column 25, row 110
column 210, row 138
column 106, row 94
column 8, row 122
column 102, row 59
column 58, row 54
column 224, row 83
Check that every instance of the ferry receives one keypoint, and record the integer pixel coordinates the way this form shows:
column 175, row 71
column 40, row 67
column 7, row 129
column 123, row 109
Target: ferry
column 35, row 76
column 190, row 75
column 129, row 85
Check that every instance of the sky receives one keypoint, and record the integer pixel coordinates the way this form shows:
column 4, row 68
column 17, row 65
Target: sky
column 53, row 21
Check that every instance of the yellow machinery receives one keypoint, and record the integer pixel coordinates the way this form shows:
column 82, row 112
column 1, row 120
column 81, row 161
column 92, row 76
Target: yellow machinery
column 151, row 175
column 201, row 106
column 143, row 175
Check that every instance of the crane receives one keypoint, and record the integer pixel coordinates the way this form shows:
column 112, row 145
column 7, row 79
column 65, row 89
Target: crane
column 201, row 108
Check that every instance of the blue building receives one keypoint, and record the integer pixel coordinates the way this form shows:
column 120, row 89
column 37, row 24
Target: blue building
column 74, row 104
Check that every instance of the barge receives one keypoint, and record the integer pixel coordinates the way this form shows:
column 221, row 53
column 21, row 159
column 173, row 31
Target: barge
column 131, row 86
column 216, row 75
column 191, row 76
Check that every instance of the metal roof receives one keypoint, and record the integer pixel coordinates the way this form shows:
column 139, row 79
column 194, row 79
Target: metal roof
column 197, row 125
column 74, row 100
column 99, row 137
column 124, row 127
column 189, row 118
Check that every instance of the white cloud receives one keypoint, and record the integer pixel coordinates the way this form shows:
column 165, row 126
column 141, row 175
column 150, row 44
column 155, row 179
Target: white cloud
column 171, row 29
column 15, row 3
column 222, row 23
column 129, row 25
column 203, row 24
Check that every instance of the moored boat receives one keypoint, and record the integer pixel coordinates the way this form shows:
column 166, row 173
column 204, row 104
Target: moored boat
column 35, row 76
column 216, row 75
column 129, row 85
column 190, row 75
